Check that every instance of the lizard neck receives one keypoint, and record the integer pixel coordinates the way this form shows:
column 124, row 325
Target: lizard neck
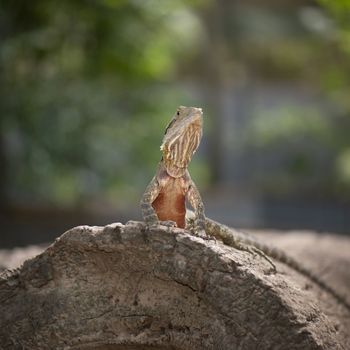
column 171, row 169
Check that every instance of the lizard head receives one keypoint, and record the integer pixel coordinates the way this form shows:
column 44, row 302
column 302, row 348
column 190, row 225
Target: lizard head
column 181, row 139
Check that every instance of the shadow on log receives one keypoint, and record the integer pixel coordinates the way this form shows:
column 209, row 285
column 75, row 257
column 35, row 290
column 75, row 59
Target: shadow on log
column 124, row 287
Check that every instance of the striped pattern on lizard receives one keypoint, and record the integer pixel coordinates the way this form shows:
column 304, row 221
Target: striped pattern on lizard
column 165, row 196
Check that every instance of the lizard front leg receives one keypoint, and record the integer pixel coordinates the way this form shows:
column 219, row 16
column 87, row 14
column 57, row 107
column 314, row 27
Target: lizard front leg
column 149, row 215
column 196, row 202
column 151, row 193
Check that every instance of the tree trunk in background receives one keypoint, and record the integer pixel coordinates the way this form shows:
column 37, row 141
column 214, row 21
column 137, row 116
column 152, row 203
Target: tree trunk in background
column 221, row 68
column 126, row 287
column 212, row 71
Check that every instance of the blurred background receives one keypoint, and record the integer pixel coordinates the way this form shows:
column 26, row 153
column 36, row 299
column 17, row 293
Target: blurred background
column 88, row 86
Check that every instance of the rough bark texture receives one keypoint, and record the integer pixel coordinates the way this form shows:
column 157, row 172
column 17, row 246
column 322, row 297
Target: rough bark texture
column 125, row 287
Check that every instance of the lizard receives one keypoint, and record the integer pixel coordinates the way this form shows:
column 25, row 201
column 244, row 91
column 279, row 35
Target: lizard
column 164, row 200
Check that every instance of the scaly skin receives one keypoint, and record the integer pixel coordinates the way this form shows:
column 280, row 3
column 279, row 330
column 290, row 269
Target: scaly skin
column 165, row 196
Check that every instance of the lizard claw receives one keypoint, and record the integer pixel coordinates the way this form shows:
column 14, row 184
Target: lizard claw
column 271, row 271
column 156, row 223
column 168, row 223
column 202, row 234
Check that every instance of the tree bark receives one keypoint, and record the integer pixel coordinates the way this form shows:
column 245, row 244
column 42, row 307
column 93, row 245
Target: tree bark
column 127, row 287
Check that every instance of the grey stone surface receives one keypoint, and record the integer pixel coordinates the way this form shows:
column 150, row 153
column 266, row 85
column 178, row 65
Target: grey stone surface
column 126, row 287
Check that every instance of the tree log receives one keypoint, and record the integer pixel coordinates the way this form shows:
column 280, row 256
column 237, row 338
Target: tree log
column 129, row 287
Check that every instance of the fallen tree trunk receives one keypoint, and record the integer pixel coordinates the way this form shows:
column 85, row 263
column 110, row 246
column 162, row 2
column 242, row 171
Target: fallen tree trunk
column 126, row 287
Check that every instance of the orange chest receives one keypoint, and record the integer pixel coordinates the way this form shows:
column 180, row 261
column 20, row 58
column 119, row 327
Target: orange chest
column 170, row 203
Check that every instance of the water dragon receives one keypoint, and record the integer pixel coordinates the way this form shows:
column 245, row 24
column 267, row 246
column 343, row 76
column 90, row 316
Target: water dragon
column 164, row 200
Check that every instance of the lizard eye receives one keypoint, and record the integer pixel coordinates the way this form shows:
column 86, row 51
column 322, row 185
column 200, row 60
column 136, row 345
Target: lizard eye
column 177, row 113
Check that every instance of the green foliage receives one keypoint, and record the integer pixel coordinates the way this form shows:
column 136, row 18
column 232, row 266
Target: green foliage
column 312, row 147
column 311, row 142
column 343, row 168
column 86, row 90
column 336, row 80
column 274, row 126
column 339, row 8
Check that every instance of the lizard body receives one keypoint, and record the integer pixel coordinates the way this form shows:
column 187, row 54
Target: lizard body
column 165, row 197
column 170, row 202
